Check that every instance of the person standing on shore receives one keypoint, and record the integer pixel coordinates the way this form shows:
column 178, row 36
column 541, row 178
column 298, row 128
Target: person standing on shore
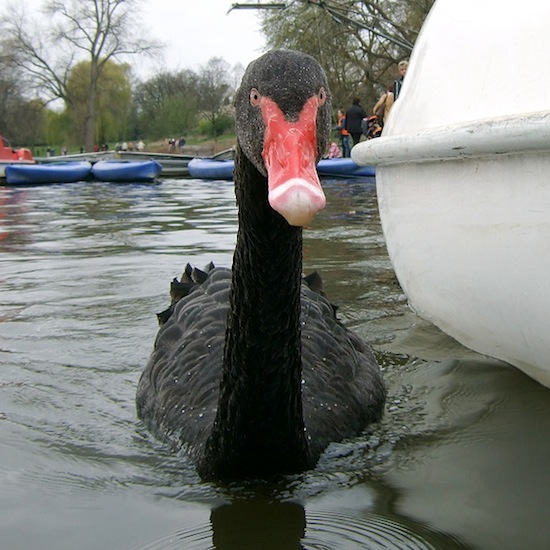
column 344, row 134
column 354, row 116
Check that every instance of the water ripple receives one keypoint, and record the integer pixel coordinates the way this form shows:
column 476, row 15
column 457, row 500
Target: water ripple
column 276, row 525
column 83, row 270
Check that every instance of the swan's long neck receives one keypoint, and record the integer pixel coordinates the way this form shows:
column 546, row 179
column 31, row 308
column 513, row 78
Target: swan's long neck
column 259, row 426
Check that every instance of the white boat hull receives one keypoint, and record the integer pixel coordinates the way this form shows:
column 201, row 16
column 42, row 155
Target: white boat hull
column 476, row 268
column 463, row 179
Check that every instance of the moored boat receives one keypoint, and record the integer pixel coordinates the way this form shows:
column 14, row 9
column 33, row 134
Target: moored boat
column 55, row 172
column 463, row 179
column 173, row 165
column 126, row 170
column 222, row 169
column 211, row 169
column 343, row 168
column 9, row 156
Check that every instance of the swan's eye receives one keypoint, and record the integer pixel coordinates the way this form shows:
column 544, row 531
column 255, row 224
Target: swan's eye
column 254, row 97
column 322, row 95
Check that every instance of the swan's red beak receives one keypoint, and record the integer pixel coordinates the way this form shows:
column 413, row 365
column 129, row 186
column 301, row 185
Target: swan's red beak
column 290, row 157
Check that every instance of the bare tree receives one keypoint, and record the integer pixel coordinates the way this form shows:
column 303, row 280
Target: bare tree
column 77, row 30
column 20, row 120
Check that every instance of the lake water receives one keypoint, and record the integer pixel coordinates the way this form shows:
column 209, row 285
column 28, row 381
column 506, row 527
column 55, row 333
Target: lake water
column 461, row 459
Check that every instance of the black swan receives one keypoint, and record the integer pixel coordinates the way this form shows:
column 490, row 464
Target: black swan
column 251, row 373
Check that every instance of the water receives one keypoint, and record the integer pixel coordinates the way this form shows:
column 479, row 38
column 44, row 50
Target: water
column 460, row 460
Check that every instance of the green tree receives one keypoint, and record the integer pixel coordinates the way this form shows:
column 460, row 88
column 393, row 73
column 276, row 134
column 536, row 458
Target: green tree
column 166, row 105
column 56, row 127
column 113, row 102
column 358, row 42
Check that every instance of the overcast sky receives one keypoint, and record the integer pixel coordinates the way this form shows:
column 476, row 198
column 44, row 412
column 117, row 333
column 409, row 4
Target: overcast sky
column 193, row 31
column 196, row 30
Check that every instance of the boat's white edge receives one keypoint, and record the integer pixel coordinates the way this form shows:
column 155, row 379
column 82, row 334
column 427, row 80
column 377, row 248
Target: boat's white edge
column 526, row 132
column 7, row 162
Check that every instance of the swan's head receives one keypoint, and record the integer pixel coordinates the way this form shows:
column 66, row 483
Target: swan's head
column 283, row 125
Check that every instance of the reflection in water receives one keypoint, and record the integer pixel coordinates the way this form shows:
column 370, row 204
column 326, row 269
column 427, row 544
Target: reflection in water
column 258, row 524
column 13, row 224
column 461, row 455
column 271, row 524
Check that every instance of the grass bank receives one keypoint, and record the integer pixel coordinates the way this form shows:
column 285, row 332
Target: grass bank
column 195, row 146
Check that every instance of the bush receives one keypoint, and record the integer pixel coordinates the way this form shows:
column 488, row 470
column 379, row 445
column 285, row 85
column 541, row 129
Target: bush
column 222, row 124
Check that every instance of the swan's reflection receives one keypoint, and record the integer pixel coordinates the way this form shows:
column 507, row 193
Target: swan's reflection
column 270, row 524
column 266, row 524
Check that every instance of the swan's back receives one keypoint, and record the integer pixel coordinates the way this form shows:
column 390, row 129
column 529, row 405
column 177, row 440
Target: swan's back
column 342, row 389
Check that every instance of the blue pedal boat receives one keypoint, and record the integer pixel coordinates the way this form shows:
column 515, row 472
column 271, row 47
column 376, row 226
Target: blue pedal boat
column 52, row 172
column 126, row 170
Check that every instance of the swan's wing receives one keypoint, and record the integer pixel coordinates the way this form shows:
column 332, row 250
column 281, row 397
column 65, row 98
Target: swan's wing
column 343, row 389
column 178, row 390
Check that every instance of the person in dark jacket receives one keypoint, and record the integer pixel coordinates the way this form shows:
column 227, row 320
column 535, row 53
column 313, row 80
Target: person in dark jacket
column 354, row 116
